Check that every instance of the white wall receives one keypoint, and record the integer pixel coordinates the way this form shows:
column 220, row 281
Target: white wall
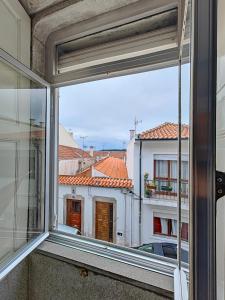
column 124, row 203
column 167, row 207
column 71, row 166
column 65, row 139
column 149, row 149
column 130, row 158
column 96, row 173
column 15, row 30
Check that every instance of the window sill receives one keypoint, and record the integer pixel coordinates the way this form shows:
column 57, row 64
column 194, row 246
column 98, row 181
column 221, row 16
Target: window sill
column 148, row 269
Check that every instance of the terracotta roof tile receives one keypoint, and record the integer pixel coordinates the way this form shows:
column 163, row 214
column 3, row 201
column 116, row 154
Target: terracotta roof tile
column 165, row 131
column 109, row 166
column 96, row 181
column 66, row 152
column 112, row 167
column 106, row 153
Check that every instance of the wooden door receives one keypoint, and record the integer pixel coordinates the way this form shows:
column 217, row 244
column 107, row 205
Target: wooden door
column 74, row 213
column 104, row 221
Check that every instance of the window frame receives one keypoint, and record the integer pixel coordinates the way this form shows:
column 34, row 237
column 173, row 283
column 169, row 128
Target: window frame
column 203, row 283
column 169, row 179
column 112, row 252
column 24, row 251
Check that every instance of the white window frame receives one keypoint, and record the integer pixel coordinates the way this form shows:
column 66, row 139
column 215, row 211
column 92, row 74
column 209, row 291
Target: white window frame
column 25, row 250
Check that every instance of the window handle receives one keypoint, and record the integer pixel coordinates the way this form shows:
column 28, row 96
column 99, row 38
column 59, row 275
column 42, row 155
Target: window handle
column 220, row 184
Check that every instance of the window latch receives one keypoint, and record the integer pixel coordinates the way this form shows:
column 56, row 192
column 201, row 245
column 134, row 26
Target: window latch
column 220, row 184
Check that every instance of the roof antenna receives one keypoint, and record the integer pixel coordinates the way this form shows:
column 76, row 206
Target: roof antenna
column 136, row 122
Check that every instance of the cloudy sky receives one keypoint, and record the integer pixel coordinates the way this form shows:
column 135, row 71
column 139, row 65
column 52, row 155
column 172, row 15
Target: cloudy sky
column 104, row 110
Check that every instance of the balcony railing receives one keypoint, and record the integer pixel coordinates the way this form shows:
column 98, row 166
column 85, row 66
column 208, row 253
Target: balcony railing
column 164, row 189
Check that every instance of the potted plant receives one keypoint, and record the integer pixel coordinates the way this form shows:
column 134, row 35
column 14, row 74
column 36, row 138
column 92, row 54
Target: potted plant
column 151, row 185
column 146, row 176
column 167, row 188
column 148, row 193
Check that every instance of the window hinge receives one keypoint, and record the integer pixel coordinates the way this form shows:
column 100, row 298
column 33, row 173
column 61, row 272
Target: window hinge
column 220, row 184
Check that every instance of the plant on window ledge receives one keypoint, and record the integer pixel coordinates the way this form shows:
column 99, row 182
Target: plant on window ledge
column 166, row 188
column 149, row 185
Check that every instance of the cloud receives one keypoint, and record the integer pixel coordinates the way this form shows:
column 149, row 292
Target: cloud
column 104, row 110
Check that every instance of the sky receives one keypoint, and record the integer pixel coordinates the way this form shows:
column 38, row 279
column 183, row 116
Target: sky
column 104, row 111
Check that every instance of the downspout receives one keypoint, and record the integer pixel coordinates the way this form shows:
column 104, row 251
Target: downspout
column 125, row 221
column 140, row 193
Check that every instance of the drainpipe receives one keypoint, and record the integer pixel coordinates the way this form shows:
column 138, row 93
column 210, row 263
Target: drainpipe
column 140, row 193
column 131, row 219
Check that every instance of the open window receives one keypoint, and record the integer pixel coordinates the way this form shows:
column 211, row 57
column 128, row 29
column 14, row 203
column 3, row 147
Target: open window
column 113, row 179
column 152, row 184
column 24, row 121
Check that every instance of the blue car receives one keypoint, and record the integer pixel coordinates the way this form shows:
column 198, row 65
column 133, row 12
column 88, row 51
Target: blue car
column 164, row 249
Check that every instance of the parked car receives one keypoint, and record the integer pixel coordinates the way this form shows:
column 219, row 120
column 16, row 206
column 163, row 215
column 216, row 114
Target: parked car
column 68, row 229
column 164, row 249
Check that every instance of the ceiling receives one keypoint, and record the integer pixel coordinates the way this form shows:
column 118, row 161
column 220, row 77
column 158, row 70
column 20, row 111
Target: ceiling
column 49, row 16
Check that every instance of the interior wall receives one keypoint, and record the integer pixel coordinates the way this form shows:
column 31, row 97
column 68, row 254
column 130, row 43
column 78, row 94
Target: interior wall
column 51, row 278
column 15, row 285
column 41, row 277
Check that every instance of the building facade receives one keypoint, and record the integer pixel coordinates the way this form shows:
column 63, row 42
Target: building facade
column 132, row 204
column 152, row 165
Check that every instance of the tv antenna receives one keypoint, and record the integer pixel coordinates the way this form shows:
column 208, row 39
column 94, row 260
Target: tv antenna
column 136, row 122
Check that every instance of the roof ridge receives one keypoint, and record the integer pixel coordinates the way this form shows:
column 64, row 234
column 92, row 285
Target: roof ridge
column 106, row 182
column 166, row 130
column 96, row 177
column 159, row 127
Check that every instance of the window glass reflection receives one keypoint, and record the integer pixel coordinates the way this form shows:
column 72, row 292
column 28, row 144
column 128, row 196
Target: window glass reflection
column 22, row 160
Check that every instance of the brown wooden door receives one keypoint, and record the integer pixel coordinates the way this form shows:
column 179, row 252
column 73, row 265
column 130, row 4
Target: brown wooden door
column 104, row 221
column 74, row 213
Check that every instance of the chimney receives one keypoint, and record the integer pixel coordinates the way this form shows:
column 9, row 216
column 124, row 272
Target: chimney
column 132, row 134
column 91, row 151
column 70, row 133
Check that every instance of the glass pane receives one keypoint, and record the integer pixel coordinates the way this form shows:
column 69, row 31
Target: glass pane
column 185, row 121
column 161, row 168
column 118, row 159
column 22, row 160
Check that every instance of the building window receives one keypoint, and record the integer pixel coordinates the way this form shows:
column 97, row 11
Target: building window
column 165, row 177
column 184, row 231
column 168, row 227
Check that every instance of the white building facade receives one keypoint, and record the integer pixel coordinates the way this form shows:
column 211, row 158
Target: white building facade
column 124, row 230
column 136, row 215
column 153, row 162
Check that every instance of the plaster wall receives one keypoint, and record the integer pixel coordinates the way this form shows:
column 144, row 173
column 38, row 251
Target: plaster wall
column 125, row 210
column 162, row 207
column 51, row 278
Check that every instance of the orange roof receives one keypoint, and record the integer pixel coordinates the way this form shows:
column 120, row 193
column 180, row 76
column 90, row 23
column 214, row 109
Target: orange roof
column 96, row 181
column 104, row 153
column 66, row 152
column 109, row 166
column 165, row 131
column 112, row 167
column 85, row 173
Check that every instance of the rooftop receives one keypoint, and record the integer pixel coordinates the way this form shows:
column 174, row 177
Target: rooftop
column 109, row 166
column 114, row 153
column 66, row 152
column 165, row 131
column 96, row 181
column 112, row 167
